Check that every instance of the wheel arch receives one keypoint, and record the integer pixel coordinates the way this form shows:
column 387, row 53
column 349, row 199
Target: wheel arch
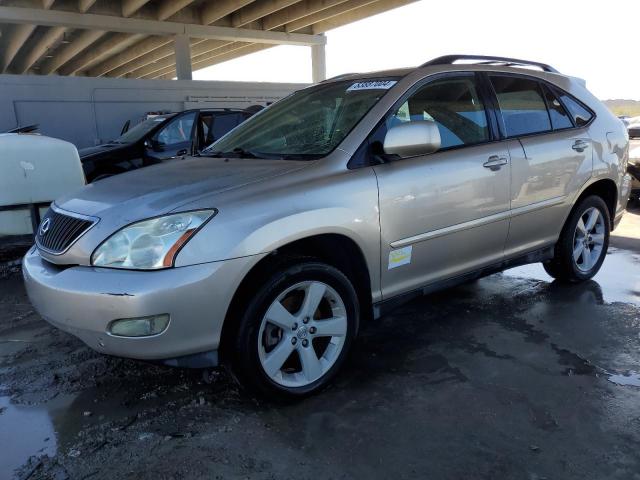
column 606, row 189
column 335, row 249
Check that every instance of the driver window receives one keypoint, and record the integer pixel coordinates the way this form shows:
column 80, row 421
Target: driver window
column 453, row 104
column 177, row 130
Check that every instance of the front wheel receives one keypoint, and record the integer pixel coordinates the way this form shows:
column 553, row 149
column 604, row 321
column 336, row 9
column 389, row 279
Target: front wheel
column 583, row 242
column 296, row 330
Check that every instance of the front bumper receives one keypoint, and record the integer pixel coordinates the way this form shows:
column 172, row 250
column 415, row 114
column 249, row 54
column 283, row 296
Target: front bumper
column 83, row 301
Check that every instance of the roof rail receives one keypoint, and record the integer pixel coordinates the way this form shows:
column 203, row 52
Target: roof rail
column 488, row 60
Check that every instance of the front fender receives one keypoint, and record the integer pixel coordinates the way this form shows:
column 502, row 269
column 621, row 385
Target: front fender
column 263, row 221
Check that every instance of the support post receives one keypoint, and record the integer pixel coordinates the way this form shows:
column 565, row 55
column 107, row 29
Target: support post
column 182, row 47
column 318, row 63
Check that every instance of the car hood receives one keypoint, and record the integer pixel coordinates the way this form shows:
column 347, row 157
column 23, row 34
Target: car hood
column 159, row 189
column 90, row 152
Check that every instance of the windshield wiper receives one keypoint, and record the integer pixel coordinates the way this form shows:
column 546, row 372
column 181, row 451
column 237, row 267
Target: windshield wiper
column 236, row 153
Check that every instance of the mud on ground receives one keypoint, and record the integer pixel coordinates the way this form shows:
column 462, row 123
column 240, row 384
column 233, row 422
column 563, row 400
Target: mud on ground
column 512, row 376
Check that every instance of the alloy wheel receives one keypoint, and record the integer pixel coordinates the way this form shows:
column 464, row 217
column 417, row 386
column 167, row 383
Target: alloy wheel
column 588, row 239
column 302, row 334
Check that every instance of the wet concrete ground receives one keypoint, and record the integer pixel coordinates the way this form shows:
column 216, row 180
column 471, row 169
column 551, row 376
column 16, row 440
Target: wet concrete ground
column 511, row 376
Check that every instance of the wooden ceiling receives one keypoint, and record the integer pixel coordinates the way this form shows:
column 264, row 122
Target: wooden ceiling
column 134, row 38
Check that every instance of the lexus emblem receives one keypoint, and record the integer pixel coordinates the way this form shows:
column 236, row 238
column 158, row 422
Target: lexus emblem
column 44, row 226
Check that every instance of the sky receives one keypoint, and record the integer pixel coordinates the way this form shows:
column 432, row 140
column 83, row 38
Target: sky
column 592, row 39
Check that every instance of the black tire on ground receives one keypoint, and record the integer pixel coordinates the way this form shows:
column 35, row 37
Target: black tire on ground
column 563, row 267
column 245, row 360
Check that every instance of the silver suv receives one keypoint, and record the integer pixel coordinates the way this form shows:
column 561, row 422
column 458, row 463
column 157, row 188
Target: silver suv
column 268, row 251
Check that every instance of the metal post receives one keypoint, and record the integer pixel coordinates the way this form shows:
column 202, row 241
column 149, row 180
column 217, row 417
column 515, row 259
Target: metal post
column 318, row 63
column 183, row 57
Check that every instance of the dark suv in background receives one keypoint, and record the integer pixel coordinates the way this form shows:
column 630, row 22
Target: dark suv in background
column 160, row 138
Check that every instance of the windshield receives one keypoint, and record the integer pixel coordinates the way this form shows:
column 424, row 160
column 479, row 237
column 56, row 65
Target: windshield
column 308, row 124
column 141, row 129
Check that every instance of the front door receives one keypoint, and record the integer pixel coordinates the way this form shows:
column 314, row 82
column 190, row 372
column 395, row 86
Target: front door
column 174, row 139
column 446, row 213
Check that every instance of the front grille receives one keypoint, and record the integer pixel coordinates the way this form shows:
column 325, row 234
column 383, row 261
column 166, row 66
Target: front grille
column 58, row 231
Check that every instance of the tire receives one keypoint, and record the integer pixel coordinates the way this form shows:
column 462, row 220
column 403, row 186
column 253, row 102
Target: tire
column 276, row 360
column 577, row 256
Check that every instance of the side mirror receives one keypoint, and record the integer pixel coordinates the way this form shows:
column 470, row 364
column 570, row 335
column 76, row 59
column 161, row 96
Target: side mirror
column 154, row 145
column 412, row 138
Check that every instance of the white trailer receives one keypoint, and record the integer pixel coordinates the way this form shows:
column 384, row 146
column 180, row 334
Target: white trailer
column 35, row 170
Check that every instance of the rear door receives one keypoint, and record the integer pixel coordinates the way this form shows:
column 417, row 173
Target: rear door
column 551, row 157
column 216, row 124
column 446, row 213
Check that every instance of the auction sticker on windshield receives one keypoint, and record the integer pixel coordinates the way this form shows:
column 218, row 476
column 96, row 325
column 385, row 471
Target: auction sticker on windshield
column 372, row 85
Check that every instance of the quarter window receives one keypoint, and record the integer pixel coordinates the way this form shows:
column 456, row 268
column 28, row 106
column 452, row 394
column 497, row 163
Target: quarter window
column 523, row 108
column 581, row 116
column 559, row 116
column 453, row 104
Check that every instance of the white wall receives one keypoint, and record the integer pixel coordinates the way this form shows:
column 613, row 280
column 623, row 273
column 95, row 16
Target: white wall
column 88, row 111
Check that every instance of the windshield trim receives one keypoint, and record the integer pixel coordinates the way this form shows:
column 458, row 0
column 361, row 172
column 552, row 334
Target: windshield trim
column 318, row 86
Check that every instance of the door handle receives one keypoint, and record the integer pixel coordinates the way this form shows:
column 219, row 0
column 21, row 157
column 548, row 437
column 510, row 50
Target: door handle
column 580, row 146
column 495, row 162
column 179, row 154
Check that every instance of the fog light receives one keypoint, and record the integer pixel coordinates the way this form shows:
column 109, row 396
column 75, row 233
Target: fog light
column 139, row 327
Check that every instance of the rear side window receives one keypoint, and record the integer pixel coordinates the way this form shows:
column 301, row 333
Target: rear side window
column 523, row 108
column 224, row 123
column 581, row 115
column 559, row 116
column 453, row 104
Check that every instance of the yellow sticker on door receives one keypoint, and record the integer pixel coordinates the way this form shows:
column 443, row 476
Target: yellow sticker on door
column 400, row 257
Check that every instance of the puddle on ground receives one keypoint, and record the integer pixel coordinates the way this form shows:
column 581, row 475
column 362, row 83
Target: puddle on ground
column 24, row 431
column 626, row 379
column 619, row 277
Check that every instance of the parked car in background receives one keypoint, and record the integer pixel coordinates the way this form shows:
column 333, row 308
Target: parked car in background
column 34, row 170
column 334, row 205
column 634, row 127
column 634, row 171
column 160, row 138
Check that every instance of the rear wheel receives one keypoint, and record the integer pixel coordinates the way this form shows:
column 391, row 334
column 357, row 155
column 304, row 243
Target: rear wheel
column 296, row 331
column 583, row 242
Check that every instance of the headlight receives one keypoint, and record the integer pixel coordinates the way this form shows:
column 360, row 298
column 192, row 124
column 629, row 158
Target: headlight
column 150, row 244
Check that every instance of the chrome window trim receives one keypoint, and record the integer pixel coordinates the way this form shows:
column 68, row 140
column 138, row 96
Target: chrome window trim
column 478, row 222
